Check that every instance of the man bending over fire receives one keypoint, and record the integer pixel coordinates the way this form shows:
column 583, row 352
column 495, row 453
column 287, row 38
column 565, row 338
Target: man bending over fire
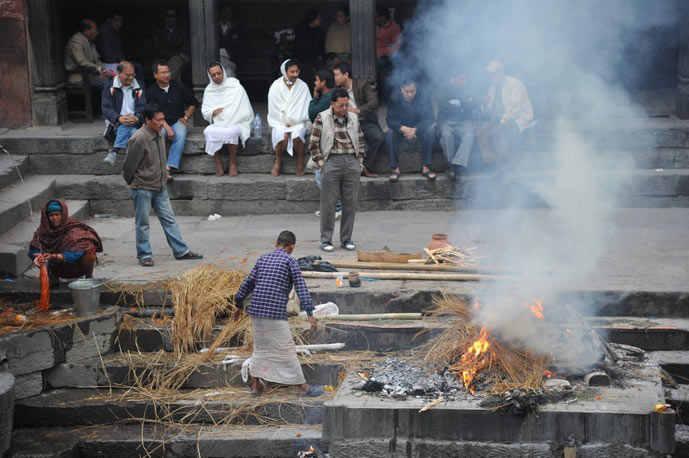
column 274, row 359
column 68, row 246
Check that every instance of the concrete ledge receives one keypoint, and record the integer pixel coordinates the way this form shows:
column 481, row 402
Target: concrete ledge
column 6, row 410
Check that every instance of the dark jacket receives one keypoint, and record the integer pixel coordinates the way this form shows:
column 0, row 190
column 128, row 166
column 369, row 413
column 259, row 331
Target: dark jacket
column 111, row 102
column 322, row 103
column 418, row 113
column 309, row 43
column 110, row 44
column 144, row 166
column 455, row 105
column 366, row 97
column 173, row 102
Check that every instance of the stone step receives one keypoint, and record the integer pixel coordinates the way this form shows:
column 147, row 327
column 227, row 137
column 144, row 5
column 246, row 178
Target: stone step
column 650, row 334
column 121, row 371
column 377, row 336
column 14, row 244
column 230, row 405
column 12, row 169
column 22, row 199
column 681, row 441
column 201, row 195
column 117, row 441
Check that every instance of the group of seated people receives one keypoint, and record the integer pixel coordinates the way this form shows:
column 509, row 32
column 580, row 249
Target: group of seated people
column 292, row 107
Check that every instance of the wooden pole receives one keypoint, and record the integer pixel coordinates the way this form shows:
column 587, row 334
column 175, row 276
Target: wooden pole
column 373, row 317
column 405, row 276
column 406, row 266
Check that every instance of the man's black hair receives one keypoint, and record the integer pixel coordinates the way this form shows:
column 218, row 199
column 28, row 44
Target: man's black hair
column 150, row 110
column 122, row 64
column 86, row 24
column 286, row 238
column 159, row 63
column 311, row 15
column 344, row 67
column 407, row 81
column 291, row 63
column 339, row 93
column 326, row 75
column 215, row 63
column 383, row 11
column 344, row 9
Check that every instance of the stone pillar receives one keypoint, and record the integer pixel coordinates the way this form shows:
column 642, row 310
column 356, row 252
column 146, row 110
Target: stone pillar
column 49, row 102
column 363, row 13
column 204, row 49
column 683, row 64
column 15, row 93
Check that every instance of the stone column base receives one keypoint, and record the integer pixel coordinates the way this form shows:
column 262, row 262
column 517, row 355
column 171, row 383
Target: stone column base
column 49, row 106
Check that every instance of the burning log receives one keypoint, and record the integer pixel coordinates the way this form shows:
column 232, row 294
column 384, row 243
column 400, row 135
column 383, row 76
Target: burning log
column 597, row 378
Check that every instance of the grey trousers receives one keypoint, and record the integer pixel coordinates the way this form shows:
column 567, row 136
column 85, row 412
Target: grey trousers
column 340, row 181
column 453, row 132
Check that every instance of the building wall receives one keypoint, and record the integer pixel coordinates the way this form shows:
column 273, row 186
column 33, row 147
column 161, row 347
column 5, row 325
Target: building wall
column 15, row 90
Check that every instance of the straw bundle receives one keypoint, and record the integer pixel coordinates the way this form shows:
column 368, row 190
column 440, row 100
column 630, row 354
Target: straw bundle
column 502, row 367
column 451, row 255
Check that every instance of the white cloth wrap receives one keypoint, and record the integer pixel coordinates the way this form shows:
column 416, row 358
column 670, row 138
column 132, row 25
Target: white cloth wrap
column 237, row 112
column 288, row 109
column 275, row 356
column 217, row 136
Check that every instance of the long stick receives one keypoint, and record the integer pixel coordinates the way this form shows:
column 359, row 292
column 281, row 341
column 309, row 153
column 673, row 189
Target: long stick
column 405, row 276
column 373, row 317
column 405, row 266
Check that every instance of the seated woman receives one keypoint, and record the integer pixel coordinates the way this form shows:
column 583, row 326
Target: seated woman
column 67, row 245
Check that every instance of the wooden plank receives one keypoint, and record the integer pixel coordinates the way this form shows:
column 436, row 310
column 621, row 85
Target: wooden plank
column 406, row 266
column 405, row 276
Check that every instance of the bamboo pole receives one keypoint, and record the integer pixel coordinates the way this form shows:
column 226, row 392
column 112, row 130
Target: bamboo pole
column 373, row 317
column 406, row 266
column 405, row 276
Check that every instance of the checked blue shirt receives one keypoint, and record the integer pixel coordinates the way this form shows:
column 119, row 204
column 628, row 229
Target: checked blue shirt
column 271, row 281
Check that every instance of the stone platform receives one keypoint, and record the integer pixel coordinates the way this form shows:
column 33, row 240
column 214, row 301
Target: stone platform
column 367, row 426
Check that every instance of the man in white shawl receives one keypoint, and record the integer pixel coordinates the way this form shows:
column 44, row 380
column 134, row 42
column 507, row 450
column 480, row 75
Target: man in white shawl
column 288, row 115
column 227, row 109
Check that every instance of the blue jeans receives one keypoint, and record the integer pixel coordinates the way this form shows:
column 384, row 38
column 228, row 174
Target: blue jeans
column 122, row 135
column 318, row 176
column 160, row 201
column 174, row 156
column 452, row 133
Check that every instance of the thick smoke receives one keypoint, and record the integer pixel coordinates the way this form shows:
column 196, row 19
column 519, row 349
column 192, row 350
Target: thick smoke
column 570, row 57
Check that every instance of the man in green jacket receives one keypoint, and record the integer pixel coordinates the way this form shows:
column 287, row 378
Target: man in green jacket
column 145, row 172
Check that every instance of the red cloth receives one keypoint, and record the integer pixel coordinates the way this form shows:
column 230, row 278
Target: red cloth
column 71, row 235
column 388, row 39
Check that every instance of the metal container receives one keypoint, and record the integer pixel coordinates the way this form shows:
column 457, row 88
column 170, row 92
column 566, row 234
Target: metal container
column 86, row 296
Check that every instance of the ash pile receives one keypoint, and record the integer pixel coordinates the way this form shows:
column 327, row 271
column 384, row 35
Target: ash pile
column 400, row 379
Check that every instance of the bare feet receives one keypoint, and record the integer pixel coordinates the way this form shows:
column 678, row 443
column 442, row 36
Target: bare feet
column 276, row 169
column 219, row 167
column 233, row 170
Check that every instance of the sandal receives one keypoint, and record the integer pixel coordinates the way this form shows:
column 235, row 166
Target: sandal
column 429, row 174
column 394, row 177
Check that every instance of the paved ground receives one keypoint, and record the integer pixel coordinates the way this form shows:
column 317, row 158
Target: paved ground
column 648, row 249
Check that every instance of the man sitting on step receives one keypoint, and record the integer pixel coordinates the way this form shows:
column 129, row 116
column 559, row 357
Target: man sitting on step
column 274, row 359
column 122, row 102
column 228, row 110
column 288, row 115
column 67, row 245
column 145, row 173
column 178, row 103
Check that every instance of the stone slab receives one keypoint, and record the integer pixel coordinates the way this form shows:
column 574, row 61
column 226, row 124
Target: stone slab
column 28, row 352
column 118, row 441
column 624, row 415
column 7, row 395
column 12, row 168
column 20, row 199
column 71, row 407
column 28, row 385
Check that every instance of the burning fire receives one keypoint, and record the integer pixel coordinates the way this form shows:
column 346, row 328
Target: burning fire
column 537, row 309
column 548, row 374
column 474, row 360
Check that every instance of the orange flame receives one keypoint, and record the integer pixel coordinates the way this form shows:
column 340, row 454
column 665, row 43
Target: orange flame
column 537, row 309
column 473, row 360
column 548, row 374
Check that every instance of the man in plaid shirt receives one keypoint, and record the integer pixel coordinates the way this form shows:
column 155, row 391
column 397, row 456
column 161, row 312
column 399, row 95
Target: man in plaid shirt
column 274, row 358
column 338, row 149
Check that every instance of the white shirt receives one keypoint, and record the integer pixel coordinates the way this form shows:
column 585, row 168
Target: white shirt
column 127, row 101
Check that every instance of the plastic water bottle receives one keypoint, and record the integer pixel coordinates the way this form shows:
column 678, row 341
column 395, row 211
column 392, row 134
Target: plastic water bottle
column 257, row 127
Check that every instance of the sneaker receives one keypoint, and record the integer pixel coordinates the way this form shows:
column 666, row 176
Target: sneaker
column 313, row 391
column 190, row 256
column 338, row 215
column 146, row 262
column 349, row 245
column 318, row 213
column 327, row 247
column 111, row 157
